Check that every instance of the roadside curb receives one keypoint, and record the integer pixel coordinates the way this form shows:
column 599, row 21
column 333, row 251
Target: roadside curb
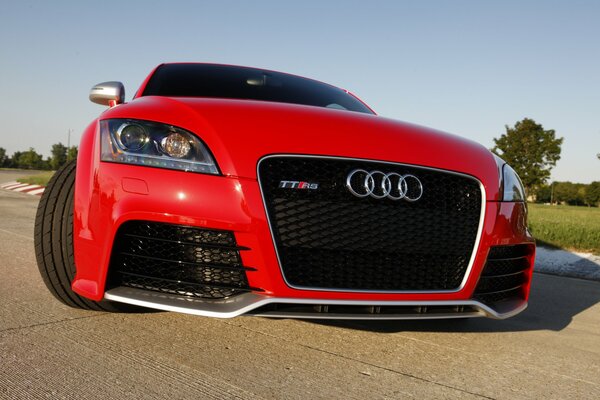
column 567, row 263
column 23, row 188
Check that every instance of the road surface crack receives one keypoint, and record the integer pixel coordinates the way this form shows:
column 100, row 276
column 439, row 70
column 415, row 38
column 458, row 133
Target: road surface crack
column 405, row 374
column 20, row 328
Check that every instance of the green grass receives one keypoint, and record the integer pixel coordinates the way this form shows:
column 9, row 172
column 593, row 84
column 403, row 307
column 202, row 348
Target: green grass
column 39, row 179
column 567, row 227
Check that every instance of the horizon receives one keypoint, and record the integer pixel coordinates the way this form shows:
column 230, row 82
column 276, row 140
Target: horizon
column 467, row 68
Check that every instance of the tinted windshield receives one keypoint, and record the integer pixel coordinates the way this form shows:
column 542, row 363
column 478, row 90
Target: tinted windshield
column 230, row 82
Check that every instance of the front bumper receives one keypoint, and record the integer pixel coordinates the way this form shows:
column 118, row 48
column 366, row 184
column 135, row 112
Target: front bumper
column 109, row 195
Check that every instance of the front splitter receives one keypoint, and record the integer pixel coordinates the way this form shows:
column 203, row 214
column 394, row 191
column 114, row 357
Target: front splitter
column 253, row 304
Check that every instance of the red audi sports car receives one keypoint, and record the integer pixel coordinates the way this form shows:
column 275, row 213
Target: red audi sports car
column 223, row 190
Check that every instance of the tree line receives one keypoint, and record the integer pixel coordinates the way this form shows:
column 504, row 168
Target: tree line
column 30, row 159
column 575, row 194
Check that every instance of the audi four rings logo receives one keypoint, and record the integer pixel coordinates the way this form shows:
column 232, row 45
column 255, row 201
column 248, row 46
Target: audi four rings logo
column 379, row 185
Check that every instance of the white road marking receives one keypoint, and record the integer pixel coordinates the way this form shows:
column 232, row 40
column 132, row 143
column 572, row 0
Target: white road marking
column 28, row 187
column 23, row 188
column 14, row 185
column 37, row 191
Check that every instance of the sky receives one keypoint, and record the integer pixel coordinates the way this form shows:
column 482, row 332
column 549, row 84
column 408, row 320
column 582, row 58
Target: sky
column 465, row 67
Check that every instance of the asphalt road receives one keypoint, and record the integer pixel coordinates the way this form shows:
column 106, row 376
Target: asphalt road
column 47, row 350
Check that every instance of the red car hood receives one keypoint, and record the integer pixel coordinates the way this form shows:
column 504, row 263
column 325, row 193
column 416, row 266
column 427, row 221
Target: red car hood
column 240, row 132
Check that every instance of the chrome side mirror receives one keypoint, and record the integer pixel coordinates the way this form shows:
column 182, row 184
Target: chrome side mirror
column 108, row 93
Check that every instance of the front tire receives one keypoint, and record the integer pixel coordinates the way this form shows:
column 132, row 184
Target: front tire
column 53, row 237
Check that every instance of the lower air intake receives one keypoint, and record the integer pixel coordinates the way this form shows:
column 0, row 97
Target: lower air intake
column 504, row 274
column 177, row 259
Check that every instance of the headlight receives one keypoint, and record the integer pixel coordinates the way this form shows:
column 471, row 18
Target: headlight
column 511, row 186
column 153, row 144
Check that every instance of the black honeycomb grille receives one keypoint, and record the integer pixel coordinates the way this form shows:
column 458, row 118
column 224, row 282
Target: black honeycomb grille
column 177, row 259
column 329, row 238
column 504, row 274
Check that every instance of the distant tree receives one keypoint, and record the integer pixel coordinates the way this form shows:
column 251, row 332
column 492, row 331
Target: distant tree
column 72, row 153
column 569, row 193
column 13, row 161
column 29, row 159
column 592, row 194
column 3, row 158
column 580, row 199
column 530, row 150
column 543, row 194
column 46, row 163
column 564, row 192
column 59, row 156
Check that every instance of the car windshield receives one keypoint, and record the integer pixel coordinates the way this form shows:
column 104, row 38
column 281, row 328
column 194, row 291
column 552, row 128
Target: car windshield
column 231, row 82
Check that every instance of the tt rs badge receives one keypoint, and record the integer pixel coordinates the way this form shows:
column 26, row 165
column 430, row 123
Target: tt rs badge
column 298, row 185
